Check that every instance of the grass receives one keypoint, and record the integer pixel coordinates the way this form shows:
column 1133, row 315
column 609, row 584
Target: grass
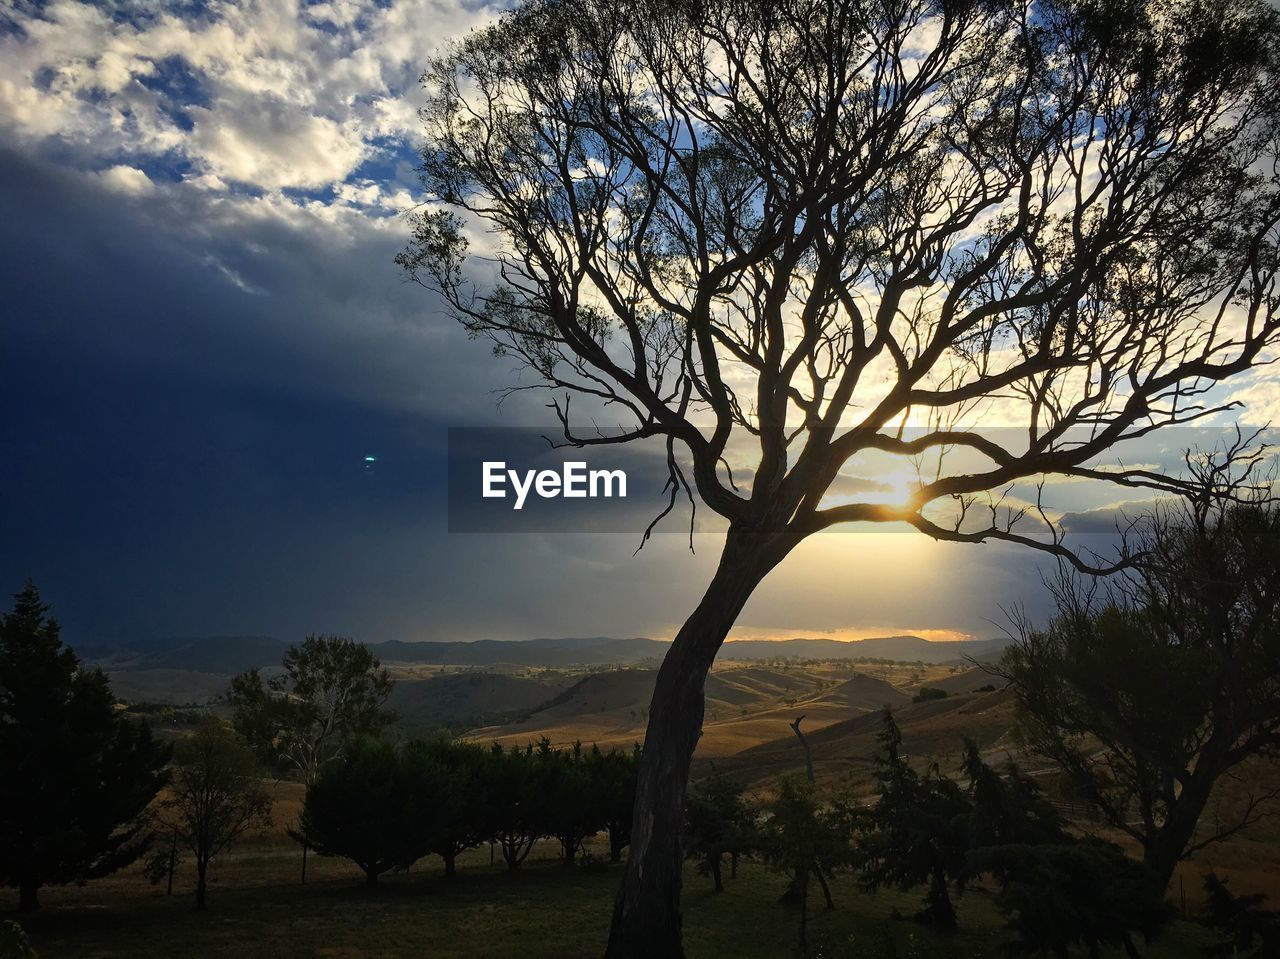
column 258, row 907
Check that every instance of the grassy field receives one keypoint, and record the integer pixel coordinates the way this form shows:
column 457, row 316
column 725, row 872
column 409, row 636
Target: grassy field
column 258, row 908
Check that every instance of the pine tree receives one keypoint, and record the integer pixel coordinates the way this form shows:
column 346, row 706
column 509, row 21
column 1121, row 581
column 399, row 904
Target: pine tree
column 75, row 775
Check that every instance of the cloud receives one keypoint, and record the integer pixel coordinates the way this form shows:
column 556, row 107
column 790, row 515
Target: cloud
column 268, row 94
column 126, row 179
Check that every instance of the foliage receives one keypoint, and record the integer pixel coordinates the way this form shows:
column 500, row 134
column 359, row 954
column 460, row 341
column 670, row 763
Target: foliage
column 1247, row 929
column 806, row 222
column 718, row 822
column 14, row 943
column 452, row 783
column 916, row 833
column 215, row 795
column 331, row 690
column 1007, row 807
column 75, row 775
column 613, row 778
column 928, row 694
column 512, row 810
column 799, row 837
column 1146, row 695
column 1085, row 892
column 368, row 806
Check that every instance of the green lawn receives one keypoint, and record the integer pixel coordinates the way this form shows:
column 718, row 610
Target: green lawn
column 257, row 908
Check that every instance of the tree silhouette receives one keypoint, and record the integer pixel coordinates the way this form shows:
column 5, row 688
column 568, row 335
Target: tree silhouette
column 613, row 777
column 773, row 234
column 800, row 837
column 370, row 806
column 511, row 807
column 75, row 775
column 453, row 788
column 1147, row 693
column 1241, row 920
column 718, row 823
column 1085, row 892
column 332, row 690
column 916, row 833
column 215, row 795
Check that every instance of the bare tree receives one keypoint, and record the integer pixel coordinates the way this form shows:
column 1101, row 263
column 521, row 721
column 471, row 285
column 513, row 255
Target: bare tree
column 814, row 223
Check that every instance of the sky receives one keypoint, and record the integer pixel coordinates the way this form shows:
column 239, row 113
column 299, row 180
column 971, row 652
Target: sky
column 203, row 338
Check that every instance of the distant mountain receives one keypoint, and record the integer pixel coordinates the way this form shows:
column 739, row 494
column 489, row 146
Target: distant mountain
column 233, row 654
column 594, row 651
column 202, row 654
column 904, row 649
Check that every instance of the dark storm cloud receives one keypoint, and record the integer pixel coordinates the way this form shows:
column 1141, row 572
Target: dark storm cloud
column 189, row 396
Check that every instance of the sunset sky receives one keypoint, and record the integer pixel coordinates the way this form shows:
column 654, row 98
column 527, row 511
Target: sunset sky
column 204, row 337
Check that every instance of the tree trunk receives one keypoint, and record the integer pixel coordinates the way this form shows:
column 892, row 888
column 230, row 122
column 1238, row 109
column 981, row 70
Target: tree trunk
column 715, row 872
column 450, row 864
column 202, row 870
column 371, row 877
column 826, row 890
column 646, row 915
column 940, row 911
column 28, row 895
column 804, row 911
column 1164, row 848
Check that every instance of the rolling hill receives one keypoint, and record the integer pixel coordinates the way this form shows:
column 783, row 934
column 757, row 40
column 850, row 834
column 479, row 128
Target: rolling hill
column 233, row 654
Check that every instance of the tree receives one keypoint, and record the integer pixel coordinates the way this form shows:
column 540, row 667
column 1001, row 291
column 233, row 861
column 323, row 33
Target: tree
column 372, row 806
column 453, row 787
column 1147, row 693
column 1084, row 892
column 928, row 694
column 917, row 832
column 801, row 224
column 75, row 775
column 718, row 823
column 332, row 690
column 564, row 792
column 215, row 795
column 1246, row 927
column 799, row 836
column 1007, row 807
column 613, row 777
column 14, row 943
column 511, row 807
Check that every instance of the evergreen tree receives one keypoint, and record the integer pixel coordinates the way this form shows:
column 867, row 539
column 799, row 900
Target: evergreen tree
column 1247, row 929
column 75, row 775
column 509, row 805
column 916, row 833
column 452, row 785
column 613, row 785
column 1083, row 892
column 368, row 807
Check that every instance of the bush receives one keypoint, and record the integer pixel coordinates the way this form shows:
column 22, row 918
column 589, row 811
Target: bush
column 927, row 694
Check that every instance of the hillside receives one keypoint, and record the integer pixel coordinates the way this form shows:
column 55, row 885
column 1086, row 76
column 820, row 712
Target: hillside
column 745, row 706
column 904, row 649
column 233, row 654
